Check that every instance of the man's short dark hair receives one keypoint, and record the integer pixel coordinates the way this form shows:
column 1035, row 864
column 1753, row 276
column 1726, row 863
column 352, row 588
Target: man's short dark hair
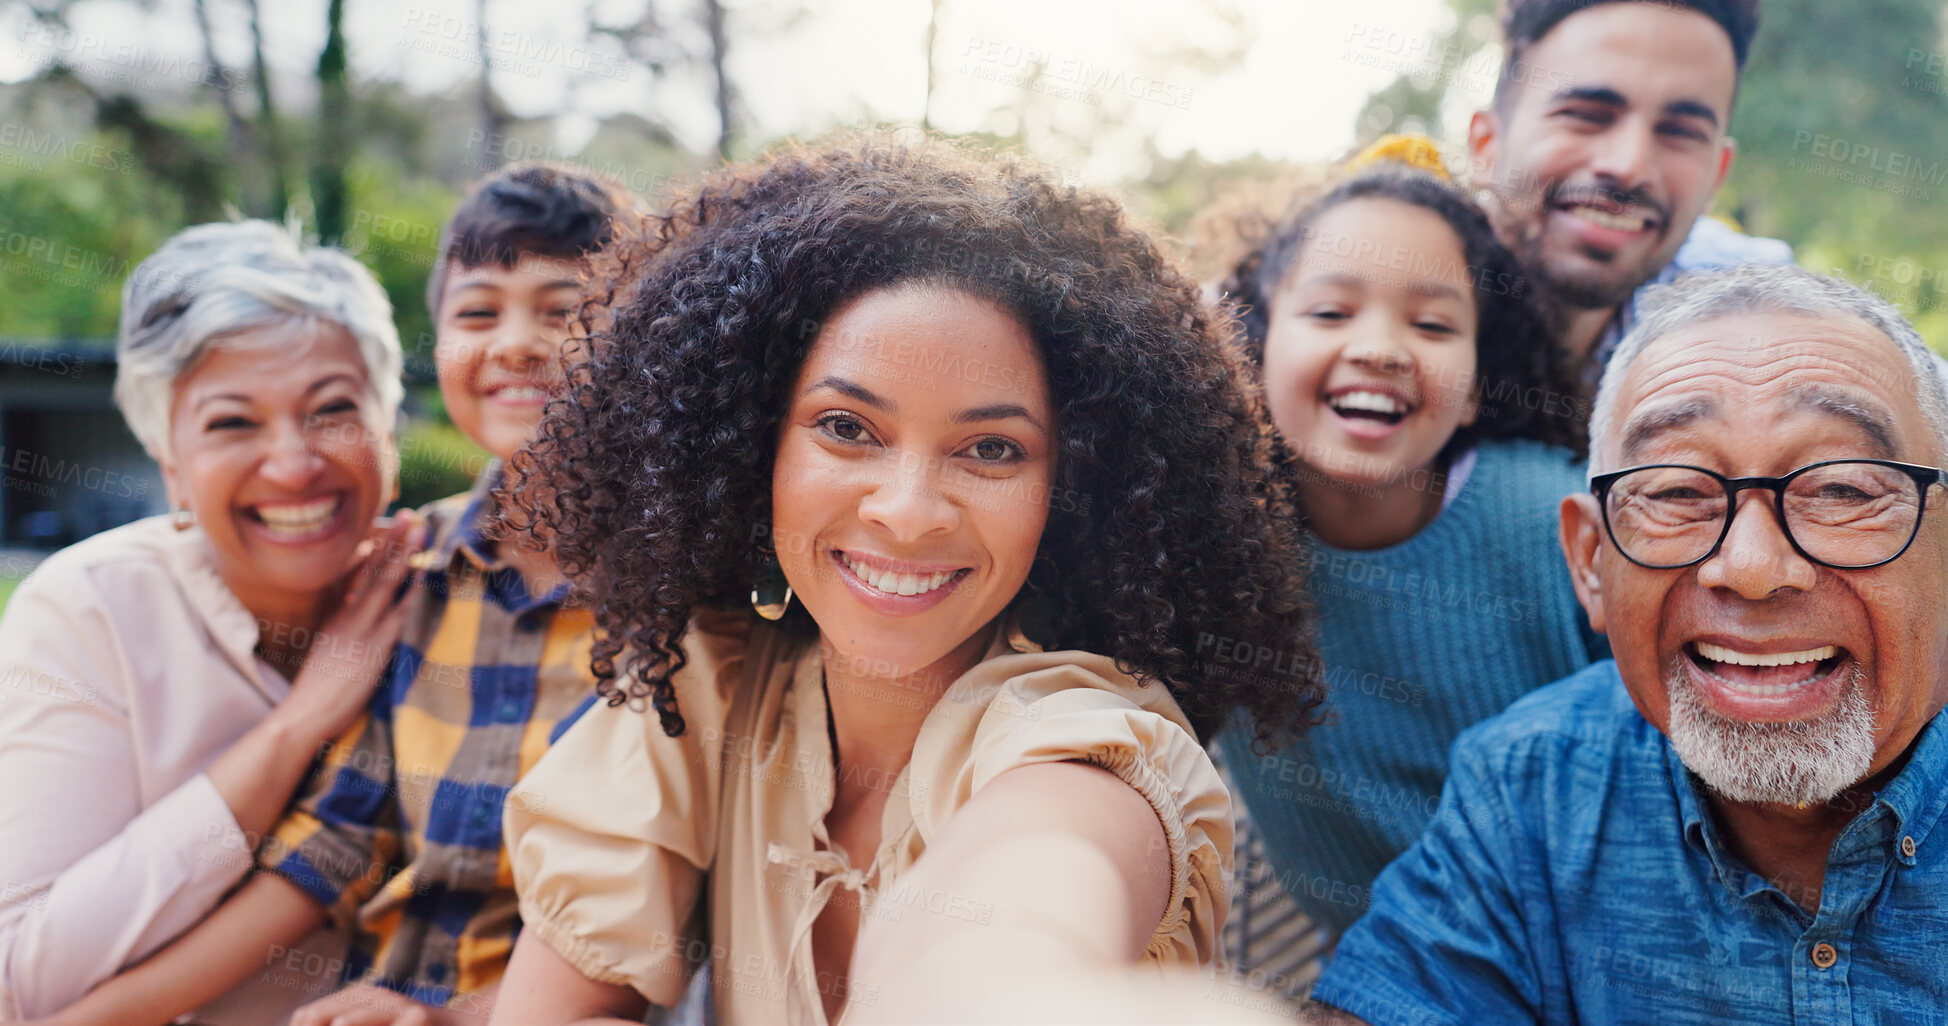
column 528, row 209
column 1525, row 22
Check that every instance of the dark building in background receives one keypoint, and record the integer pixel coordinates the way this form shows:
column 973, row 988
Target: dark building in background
column 69, row 467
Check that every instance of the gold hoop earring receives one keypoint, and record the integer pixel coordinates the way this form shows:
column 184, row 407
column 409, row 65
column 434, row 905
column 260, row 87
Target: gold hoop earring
column 772, row 595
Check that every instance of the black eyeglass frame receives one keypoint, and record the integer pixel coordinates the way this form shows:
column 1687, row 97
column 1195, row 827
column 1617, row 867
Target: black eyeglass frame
column 1922, row 477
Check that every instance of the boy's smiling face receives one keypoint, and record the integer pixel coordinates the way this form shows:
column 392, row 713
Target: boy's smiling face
column 498, row 352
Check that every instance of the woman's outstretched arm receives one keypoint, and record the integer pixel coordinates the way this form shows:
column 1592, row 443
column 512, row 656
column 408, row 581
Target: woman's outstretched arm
column 1060, row 869
column 542, row 987
column 1053, row 878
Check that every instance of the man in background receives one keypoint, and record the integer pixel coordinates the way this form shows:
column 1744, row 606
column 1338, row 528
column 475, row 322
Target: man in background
column 1606, row 141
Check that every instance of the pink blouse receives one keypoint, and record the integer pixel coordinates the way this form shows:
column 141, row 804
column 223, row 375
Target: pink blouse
column 126, row 667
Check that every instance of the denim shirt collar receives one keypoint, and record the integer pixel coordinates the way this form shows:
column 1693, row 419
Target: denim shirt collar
column 1918, row 795
column 1908, row 807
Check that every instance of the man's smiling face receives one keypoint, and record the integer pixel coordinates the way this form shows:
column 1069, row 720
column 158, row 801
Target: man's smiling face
column 1606, row 144
column 1861, row 655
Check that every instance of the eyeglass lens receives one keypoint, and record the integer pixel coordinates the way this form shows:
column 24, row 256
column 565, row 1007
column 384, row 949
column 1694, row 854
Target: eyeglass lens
column 1842, row 514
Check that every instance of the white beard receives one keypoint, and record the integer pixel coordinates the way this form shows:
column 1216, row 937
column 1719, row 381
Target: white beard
column 1795, row 763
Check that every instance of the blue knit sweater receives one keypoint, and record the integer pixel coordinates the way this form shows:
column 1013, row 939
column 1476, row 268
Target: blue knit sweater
column 1420, row 641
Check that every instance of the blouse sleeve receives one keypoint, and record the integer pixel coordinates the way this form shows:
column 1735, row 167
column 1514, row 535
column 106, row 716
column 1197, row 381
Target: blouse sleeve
column 1078, row 708
column 612, row 832
column 90, row 880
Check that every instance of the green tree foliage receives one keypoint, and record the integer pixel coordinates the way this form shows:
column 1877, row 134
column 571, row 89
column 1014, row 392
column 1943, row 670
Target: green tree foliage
column 77, row 212
column 436, row 460
column 1842, row 150
column 334, row 146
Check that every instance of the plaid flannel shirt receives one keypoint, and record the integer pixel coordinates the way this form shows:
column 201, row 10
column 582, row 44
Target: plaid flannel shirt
column 399, row 829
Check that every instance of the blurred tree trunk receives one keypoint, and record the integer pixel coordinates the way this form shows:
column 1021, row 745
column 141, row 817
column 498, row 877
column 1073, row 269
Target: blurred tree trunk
column 933, row 33
column 328, row 172
column 490, row 119
column 713, row 17
column 219, row 80
column 270, row 135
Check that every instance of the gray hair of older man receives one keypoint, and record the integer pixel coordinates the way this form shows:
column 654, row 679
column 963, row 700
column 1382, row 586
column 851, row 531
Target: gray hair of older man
column 217, row 283
column 1763, row 289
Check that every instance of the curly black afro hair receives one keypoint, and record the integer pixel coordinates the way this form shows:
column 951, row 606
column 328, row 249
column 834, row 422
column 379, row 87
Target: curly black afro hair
column 1523, row 385
column 651, row 477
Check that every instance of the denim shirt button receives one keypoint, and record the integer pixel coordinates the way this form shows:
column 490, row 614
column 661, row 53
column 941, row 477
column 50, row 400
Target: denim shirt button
column 1907, row 846
column 1824, row 955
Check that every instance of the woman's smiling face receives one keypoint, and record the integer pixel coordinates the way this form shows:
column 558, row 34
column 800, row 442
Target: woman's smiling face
column 911, row 483
column 284, row 453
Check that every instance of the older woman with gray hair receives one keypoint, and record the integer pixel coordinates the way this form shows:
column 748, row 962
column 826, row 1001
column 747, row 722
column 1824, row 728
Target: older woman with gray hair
column 164, row 686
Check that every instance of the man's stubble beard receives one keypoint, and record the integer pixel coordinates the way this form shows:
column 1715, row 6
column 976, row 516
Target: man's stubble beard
column 1519, row 221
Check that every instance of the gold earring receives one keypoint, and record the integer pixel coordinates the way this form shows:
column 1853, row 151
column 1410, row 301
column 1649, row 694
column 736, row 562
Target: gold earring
column 772, row 595
column 183, row 518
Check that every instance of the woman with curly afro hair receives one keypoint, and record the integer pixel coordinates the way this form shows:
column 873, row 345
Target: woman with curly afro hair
column 1433, row 432
column 929, row 521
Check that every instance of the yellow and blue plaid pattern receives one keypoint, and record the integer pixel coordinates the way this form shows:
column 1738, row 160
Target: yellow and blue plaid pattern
column 399, row 830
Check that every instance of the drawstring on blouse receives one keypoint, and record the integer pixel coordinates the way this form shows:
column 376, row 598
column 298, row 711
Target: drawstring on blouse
column 832, row 870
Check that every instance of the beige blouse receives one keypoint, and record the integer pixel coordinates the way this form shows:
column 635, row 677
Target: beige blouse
column 126, row 667
column 638, row 855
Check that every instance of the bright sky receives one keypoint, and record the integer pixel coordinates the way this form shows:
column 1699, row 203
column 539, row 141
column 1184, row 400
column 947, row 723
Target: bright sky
column 800, row 66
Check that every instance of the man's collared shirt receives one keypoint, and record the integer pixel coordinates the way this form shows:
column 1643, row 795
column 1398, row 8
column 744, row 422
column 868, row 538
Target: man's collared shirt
column 399, row 830
column 1711, row 244
column 1574, row 874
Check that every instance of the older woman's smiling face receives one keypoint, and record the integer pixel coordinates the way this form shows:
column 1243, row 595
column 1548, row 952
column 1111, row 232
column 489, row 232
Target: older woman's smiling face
column 281, row 449
column 911, row 483
column 1762, row 395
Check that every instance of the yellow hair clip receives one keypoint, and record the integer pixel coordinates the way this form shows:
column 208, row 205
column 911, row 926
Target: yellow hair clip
column 1415, row 151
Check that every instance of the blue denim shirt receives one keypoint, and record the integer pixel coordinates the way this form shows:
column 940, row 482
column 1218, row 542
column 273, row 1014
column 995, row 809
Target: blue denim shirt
column 1573, row 874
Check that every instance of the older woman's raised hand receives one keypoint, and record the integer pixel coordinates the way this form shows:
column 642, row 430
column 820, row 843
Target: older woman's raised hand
column 352, row 648
column 344, row 662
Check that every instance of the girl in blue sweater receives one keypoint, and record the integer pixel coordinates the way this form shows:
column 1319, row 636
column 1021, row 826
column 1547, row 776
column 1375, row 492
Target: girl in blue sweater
column 1432, row 430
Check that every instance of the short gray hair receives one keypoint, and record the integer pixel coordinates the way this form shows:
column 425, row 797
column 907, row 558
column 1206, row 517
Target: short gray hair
column 216, row 281
column 1764, row 288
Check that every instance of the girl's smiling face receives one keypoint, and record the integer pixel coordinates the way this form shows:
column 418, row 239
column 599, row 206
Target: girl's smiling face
column 1369, row 361
column 911, row 483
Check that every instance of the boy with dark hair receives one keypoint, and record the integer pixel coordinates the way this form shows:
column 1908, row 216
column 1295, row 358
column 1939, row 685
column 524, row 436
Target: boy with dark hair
column 527, row 210
column 399, row 831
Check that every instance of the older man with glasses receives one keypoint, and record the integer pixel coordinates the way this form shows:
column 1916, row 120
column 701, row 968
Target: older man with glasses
column 1733, row 821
